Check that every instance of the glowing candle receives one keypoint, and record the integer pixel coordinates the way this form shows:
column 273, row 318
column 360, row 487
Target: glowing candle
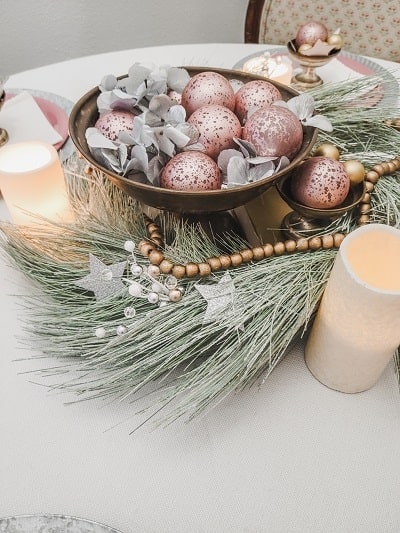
column 32, row 183
column 357, row 327
column 276, row 68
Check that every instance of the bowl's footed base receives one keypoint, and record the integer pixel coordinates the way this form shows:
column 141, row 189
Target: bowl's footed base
column 215, row 225
column 306, row 81
column 295, row 226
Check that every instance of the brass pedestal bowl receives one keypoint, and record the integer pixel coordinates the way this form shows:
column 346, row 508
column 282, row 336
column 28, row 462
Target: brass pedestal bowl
column 306, row 221
column 308, row 78
column 85, row 113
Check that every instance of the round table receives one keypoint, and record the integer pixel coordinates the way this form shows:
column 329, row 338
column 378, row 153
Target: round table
column 292, row 456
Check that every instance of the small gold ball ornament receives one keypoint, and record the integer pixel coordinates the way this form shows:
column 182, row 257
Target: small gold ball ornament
column 328, row 150
column 355, row 169
column 335, row 40
column 304, row 47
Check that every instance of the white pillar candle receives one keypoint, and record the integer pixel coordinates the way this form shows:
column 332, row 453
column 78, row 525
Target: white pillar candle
column 276, row 68
column 32, row 183
column 357, row 327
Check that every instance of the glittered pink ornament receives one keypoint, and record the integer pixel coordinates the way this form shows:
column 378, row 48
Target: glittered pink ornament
column 191, row 171
column 207, row 88
column 320, row 182
column 274, row 131
column 310, row 32
column 256, row 93
column 112, row 122
column 217, row 125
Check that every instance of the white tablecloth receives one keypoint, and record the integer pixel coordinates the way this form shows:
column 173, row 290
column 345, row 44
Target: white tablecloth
column 293, row 456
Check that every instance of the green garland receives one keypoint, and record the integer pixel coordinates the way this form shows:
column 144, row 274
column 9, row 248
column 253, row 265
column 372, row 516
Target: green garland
column 193, row 364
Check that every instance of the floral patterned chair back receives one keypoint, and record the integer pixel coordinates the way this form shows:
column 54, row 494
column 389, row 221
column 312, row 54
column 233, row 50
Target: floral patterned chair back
column 368, row 27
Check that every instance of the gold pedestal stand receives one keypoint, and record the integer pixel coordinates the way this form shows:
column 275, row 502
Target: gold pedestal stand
column 308, row 78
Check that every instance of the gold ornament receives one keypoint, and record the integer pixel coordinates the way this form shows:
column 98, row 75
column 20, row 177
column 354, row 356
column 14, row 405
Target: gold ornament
column 328, row 150
column 335, row 40
column 304, row 47
column 355, row 170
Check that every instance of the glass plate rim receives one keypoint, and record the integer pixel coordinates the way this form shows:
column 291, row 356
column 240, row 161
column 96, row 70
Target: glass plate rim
column 52, row 516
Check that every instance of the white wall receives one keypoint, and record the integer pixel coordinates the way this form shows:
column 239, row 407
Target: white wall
column 35, row 33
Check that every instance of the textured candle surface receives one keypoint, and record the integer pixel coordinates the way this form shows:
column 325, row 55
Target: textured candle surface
column 357, row 327
column 32, row 183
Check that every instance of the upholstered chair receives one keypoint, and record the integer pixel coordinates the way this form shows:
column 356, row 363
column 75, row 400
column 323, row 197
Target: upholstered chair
column 368, row 27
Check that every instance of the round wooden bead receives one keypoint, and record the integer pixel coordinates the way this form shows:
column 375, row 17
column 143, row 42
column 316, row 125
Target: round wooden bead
column 369, row 186
column 315, row 243
column 145, row 248
column 279, row 248
column 152, row 227
column 192, row 269
column 156, row 235
column 155, row 257
column 179, row 271
column 362, row 220
column 366, row 199
column 166, row 266
column 385, row 167
column 247, row 255
column 378, row 169
column 364, row 208
column 392, row 167
column 204, row 269
column 157, row 242
column 290, row 246
column 338, row 239
column 236, row 259
column 372, row 176
column 302, row 244
column 327, row 242
column 268, row 250
column 258, row 253
column 225, row 261
column 214, row 263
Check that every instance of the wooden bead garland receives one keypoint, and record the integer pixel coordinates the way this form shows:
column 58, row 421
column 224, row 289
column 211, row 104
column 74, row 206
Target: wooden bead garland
column 151, row 247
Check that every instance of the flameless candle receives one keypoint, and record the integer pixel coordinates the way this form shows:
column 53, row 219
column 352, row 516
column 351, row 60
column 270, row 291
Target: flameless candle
column 32, row 183
column 357, row 326
column 275, row 68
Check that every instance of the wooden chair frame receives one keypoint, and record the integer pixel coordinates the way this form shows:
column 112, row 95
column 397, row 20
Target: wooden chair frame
column 253, row 16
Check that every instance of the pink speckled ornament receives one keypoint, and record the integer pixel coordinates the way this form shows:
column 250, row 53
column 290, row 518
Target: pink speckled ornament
column 191, row 171
column 217, row 125
column 112, row 122
column 274, row 131
column 256, row 93
column 310, row 32
column 207, row 88
column 320, row 182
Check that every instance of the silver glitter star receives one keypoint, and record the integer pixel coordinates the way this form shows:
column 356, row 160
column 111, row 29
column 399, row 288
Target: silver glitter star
column 103, row 280
column 219, row 297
